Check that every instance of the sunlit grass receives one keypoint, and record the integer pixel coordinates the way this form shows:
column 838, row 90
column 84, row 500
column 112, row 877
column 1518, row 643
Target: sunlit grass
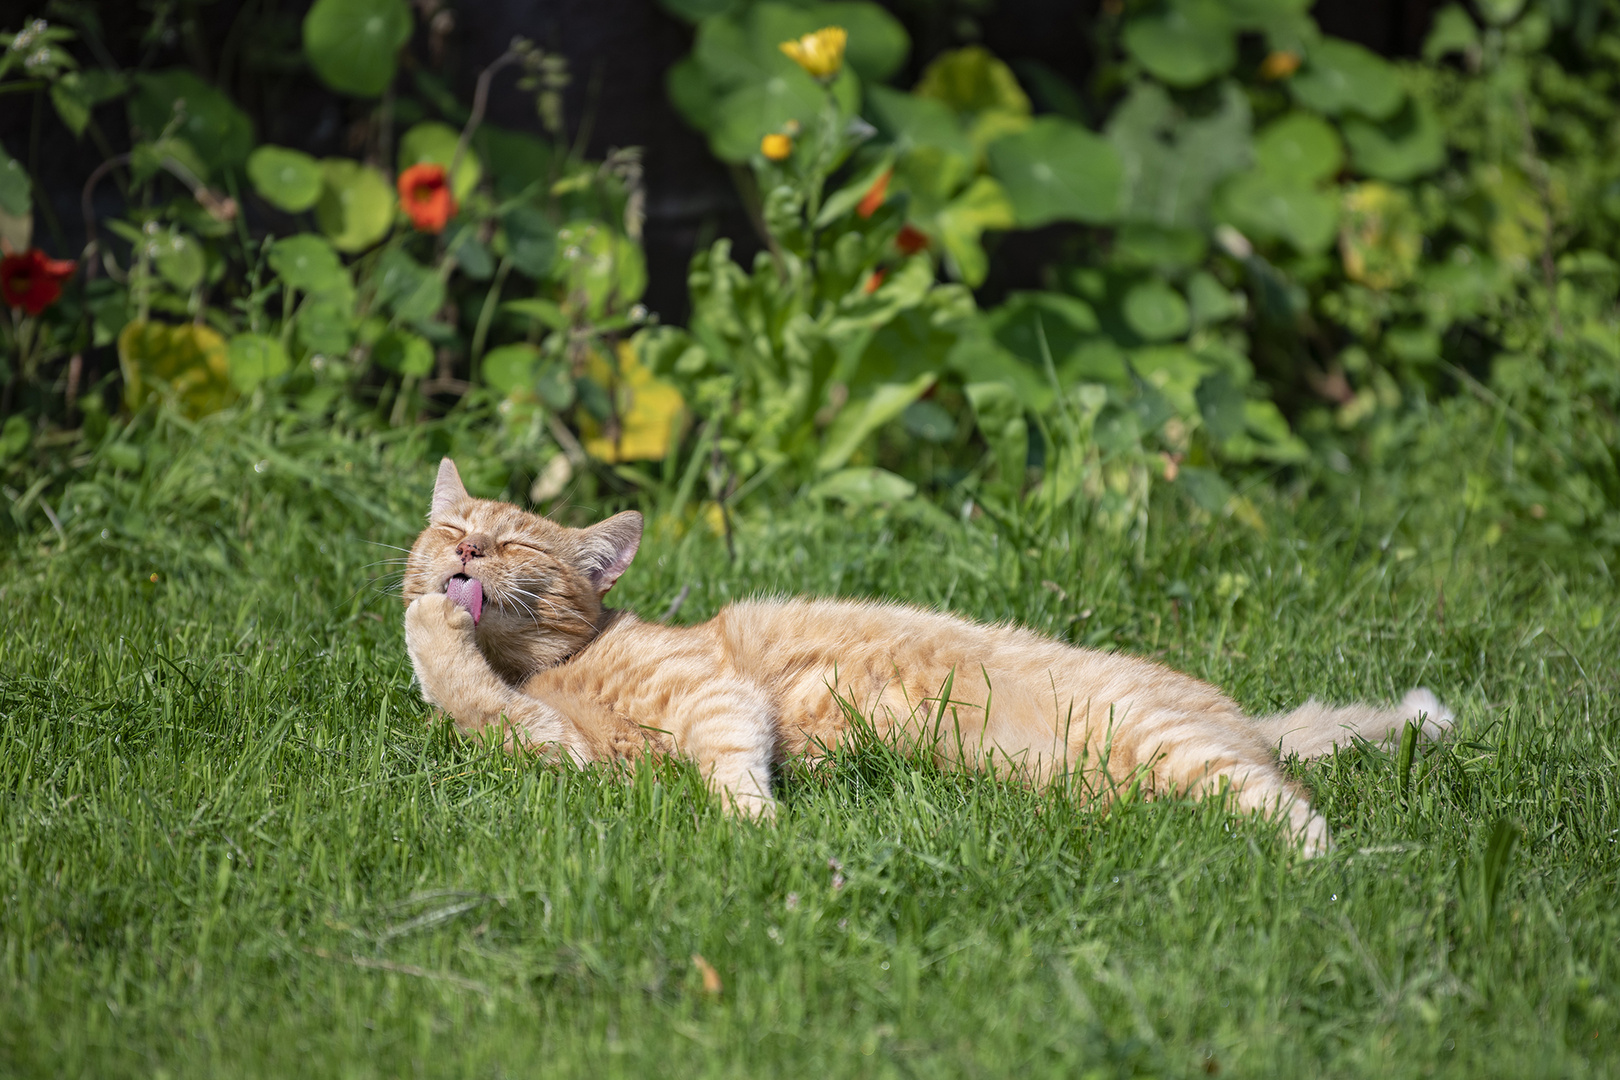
column 232, row 841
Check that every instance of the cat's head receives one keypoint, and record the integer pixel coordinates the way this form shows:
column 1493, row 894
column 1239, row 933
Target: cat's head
column 534, row 587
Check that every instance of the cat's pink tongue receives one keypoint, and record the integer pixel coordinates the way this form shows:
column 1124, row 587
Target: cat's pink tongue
column 469, row 593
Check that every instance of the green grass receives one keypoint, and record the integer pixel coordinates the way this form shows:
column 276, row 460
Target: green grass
column 233, row 841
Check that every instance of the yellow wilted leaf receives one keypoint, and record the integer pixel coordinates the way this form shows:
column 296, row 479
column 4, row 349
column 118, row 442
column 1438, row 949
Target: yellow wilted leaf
column 650, row 411
column 1381, row 238
column 186, row 365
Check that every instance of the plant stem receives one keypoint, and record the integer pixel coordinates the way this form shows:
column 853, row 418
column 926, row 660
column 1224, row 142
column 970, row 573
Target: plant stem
column 486, row 315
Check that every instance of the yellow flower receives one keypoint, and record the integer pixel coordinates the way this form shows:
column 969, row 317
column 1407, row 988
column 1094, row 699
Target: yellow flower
column 820, row 53
column 776, row 147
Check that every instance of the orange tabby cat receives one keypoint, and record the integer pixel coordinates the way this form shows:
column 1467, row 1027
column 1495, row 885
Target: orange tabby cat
column 506, row 629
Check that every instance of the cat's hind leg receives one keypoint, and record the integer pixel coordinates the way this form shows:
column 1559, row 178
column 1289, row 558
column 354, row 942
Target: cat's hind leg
column 727, row 728
column 1315, row 728
column 1201, row 756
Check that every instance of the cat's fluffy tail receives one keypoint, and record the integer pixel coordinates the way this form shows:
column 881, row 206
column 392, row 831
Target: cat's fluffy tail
column 1314, row 728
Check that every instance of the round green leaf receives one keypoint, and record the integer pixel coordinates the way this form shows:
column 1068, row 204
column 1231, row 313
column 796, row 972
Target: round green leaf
column 435, row 143
column 1299, row 147
column 1500, row 12
column 1155, row 311
column 695, row 11
column 353, row 45
column 1056, row 170
column 878, row 43
column 406, row 353
column 287, row 179
column 253, row 358
column 1267, row 208
column 972, row 80
column 179, row 259
column 929, row 421
column 1407, row 145
column 1185, row 45
column 219, row 132
column 356, row 207
column 510, row 366
column 1340, row 76
column 306, row 262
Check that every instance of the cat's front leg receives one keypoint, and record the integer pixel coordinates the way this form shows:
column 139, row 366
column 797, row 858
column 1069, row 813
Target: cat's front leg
column 727, row 728
column 440, row 638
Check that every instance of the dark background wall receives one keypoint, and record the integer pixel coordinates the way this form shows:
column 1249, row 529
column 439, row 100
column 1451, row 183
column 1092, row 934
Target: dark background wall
column 619, row 51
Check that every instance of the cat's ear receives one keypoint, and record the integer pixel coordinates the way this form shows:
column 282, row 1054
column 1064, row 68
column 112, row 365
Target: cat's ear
column 447, row 490
column 609, row 546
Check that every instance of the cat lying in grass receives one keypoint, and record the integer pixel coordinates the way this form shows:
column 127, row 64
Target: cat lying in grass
column 506, row 630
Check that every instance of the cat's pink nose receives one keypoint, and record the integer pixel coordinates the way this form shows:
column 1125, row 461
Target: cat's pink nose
column 467, row 549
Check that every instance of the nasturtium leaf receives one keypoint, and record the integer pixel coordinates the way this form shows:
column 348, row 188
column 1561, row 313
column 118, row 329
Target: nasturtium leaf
column 178, row 259
column 912, row 120
column 690, row 91
column 1159, row 247
column 1220, row 402
column 1452, row 31
column 1056, row 170
column 982, row 205
column 186, row 365
column 1172, row 162
column 405, row 353
column 1499, row 12
column 531, row 240
column 599, row 266
column 356, row 206
column 1299, row 147
column 1264, row 207
column 1407, row 145
column 509, row 367
column 287, row 179
column 864, row 486
column 1155, row 311
column 353, row 45
column 1340, row 76
column 14, row 187
column 325, row 323
column 972, row 80
column 219, row 132
column 410, row 290
column 1186, row 44
column 516, row 160
column 929, row 421
column 255, row 358
column 555, row 385
column 1210, row 301
column 747, row 114
column 1175, row 372
column 434, row 142
column 1026, row 319
column 306, row 262
column 544, row 312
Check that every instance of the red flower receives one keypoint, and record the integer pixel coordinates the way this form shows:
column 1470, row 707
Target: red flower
column 874, row 281
column 33, row 281
column 874, row 195
column 425, row 196
column 911, row 240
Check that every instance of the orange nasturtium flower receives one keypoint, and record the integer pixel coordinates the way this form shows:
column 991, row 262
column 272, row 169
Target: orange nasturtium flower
column 1279, row 65
column 821, row 53
column 425, row 196
column 33, row 280
column 874, row 195
column 776, row 147
column 873, row 282
column 911, row 240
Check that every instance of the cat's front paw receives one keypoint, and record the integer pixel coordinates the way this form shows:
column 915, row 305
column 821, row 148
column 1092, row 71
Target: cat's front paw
column 436, row 613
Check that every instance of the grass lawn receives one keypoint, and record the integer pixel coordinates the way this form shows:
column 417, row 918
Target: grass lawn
column 233, row 841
